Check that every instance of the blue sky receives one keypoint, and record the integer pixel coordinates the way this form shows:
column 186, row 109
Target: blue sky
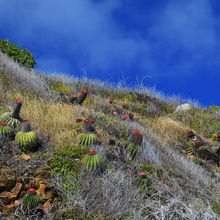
column 173, row 45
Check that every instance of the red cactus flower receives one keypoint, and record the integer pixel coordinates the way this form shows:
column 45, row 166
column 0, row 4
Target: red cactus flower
column 92, row 152
column 125, row 105
column 18, row 101
column 114, row 113
column 24, row 121
column 135, row 131
column 124, row 117
column 31, row 191
column 84, row 91
column 87, row 120
column 111, row 101
column 190, row 131
column 1, row 101
column 78, row 120
column 138, row 134
column 218, row 137
column 97, row 133
column 3, row 123
column 143, row 174
column 74, row 95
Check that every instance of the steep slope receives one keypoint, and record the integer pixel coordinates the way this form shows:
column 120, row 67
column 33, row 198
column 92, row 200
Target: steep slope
column 170, row 176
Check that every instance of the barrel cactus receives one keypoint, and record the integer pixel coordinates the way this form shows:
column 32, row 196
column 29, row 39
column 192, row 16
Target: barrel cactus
column 112, row 141
column 26, row 138
column 82, row 96
column 143, row 181
column 92, row 161
column 88, row 137
column 13, row 119
column 5, row 131
column 30, row 201
column 73, row 99
column 134, row 147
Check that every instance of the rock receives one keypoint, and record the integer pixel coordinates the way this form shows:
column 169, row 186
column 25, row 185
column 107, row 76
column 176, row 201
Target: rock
column 12, row 195
column 183, row 107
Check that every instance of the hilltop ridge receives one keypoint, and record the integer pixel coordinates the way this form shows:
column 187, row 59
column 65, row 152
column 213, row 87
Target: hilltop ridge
column 151, row 162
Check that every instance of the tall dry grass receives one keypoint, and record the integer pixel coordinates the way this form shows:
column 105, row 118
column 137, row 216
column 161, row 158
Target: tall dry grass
column 55, row 121
column 168, row 130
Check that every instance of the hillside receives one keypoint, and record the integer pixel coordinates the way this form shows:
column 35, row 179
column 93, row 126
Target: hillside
column 151, row 161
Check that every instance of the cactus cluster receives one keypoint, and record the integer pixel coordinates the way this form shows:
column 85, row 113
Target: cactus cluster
column 88, row 137
column 13, row 119
column 30, row 201
column 92, row 161
column 26, row 138
column 79, row 99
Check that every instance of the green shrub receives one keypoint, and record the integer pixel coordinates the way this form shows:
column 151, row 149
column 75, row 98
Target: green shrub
column 24, row 57
column 60, row 88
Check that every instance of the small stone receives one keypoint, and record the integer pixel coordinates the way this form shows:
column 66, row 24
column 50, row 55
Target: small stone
column 183, row 107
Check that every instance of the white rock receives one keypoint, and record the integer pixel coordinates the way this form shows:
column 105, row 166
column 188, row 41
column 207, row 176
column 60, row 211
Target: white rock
column 183, row 107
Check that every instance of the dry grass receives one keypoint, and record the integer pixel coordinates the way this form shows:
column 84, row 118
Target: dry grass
column 169, row 130
column 55, row 121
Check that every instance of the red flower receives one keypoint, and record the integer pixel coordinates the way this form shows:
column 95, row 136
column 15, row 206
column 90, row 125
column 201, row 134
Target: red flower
column 24, row 121
column 93, row 122
column 74, row 96
column 3, row 123
column 114, row 113
column 92, row 152
column 97, row 133
column 218, row 137
column 138, row 134
column 124, row 116
column 125, row 105
column 190, row 131
column 117, row 107
column 84, row 91
column 31, row 191
column 78, row 120
column 87, row 120
column 18, row 101
column 135, row 131
column 111, row 101
column 1, row 101
column 143, row 174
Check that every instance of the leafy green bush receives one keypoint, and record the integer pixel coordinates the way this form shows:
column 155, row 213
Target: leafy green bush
column 24, row 57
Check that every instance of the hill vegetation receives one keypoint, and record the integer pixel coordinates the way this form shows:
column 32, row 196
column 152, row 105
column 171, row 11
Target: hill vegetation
column 118, row 154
